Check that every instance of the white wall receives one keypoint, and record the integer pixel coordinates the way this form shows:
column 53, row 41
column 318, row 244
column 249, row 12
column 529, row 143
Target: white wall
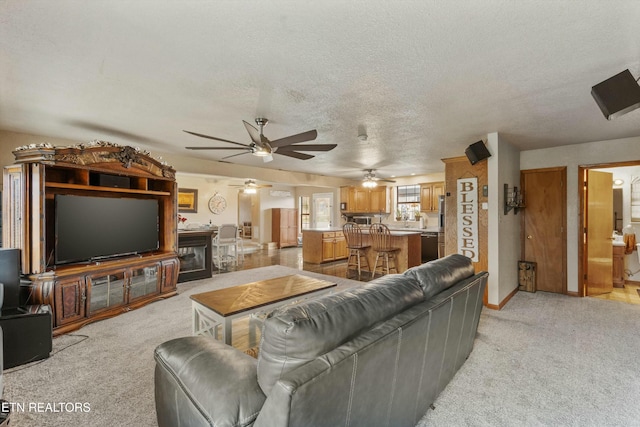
column 572, row 156
column 207, row 187
column 503, row 230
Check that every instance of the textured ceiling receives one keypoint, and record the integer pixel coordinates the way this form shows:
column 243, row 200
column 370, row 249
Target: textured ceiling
column 423, row 79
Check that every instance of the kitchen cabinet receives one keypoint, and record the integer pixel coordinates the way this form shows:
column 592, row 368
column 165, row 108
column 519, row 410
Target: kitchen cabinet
column 284, row 227
column 332, row 245
column 618, row 266
column 364, row 200
column 429, row 195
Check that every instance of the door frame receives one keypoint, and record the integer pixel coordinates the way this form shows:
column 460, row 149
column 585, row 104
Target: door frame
column 582, row 289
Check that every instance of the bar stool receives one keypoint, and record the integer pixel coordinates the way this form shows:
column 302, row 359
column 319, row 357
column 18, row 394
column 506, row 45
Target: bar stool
column 353, row 235
column 381, row 244
column 226, row 238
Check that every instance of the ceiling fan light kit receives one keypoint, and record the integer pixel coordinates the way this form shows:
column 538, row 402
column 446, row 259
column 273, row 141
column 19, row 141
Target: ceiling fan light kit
column 370, row 180
column 261, row 146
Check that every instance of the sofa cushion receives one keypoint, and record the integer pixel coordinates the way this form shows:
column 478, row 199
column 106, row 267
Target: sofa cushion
column 296, row 334
column 438, row 275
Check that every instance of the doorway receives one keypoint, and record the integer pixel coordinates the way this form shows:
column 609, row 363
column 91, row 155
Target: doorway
column 321, row 212
column 625, row 263
column 246, row 202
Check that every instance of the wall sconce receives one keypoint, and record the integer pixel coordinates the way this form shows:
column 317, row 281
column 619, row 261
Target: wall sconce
column 513, row 199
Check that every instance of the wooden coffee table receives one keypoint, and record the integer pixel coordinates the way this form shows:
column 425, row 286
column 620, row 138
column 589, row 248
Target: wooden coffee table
column 221, row 307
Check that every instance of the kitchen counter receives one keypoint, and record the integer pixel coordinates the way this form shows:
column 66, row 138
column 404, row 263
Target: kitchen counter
column 328, row 244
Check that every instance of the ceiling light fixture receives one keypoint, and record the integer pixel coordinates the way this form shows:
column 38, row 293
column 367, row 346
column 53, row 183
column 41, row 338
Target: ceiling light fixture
column 618, row 182
column 250, row 190
column 362, row 137
column 369, row 183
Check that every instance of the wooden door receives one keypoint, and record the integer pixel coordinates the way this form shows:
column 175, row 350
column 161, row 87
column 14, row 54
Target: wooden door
column 599, row 228
column 544, row 226
column 426, row 196
column 363, row 203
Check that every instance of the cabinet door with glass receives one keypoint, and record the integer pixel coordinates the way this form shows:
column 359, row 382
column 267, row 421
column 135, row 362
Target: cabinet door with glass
column 144, row 281
column 106, row 291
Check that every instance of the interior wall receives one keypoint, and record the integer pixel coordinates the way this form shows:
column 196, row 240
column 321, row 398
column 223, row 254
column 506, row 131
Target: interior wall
column 504, row 250
column 207, row 187
column 571, row 156
column 460, row 167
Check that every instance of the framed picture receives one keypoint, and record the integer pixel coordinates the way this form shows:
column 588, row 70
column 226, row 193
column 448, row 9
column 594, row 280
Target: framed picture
column 187, row 200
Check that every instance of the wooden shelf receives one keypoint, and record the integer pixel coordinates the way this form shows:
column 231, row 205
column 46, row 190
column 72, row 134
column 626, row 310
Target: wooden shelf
column 105, row 189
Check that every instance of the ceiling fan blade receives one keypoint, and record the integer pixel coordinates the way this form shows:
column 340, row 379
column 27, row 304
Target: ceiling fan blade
column 309, row 135
column 234, row 155
column 253, row 133
column 213, row 137
column 218, row 148
column 309, row 147
column 295, row 154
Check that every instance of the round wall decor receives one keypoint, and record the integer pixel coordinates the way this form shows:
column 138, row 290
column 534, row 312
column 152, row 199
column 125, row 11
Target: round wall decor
column 217, row 204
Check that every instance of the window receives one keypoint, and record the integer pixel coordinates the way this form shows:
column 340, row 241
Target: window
column 305, row 213
column 407, row 202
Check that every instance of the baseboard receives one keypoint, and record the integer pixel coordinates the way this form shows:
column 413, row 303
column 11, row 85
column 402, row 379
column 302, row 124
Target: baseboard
column 632, row 282
column 503, row 302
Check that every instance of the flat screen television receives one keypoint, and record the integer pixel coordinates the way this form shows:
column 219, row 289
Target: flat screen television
column 89, row 228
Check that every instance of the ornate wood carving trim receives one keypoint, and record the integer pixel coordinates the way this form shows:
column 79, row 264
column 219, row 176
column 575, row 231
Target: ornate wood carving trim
column 95, row 153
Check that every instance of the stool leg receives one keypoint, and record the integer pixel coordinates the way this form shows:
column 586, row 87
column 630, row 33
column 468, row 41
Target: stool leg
column 375, row 266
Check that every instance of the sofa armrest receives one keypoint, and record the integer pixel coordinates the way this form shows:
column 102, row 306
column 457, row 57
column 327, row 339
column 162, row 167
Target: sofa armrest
column 200, row 381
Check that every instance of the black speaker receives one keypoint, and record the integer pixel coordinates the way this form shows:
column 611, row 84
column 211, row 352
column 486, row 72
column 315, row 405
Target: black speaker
column 113, row 181
column 476, row 152
column 26, row 334
column 10, row 276
column 617, row 95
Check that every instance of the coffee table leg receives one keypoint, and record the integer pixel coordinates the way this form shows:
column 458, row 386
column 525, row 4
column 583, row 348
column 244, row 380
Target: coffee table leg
column 227, row 331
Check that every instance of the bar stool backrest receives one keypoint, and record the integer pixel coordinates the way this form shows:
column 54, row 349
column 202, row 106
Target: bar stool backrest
column 227, row 233
column 353, row 234
column 380, row 237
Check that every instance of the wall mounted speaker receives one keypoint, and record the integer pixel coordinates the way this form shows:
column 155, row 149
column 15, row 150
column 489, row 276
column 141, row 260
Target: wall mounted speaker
column 476, row 152
column 617, row 95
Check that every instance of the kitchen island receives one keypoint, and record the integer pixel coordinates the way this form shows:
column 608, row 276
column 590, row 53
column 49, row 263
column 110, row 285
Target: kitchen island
column 328, row 244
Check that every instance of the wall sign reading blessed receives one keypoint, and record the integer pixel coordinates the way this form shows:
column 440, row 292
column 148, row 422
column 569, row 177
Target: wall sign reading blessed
column 468, row 217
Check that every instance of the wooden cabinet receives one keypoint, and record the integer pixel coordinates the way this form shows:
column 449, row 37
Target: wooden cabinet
column 323, row 246
column 618, row 266
column 82, row 291
column 364, row 200
column 284, row 227
column 334, row 246
column 429, row 195
column 70, row 297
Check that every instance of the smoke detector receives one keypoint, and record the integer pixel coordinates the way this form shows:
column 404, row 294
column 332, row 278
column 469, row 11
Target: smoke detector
column 362, row 137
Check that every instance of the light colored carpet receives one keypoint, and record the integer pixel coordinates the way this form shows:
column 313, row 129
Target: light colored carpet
column 548, row 360
column 112, row 369
column 544, row 360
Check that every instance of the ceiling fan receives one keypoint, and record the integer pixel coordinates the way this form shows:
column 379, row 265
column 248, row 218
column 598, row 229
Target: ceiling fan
column 262, row 147
column 370, row 180
column 250, row 186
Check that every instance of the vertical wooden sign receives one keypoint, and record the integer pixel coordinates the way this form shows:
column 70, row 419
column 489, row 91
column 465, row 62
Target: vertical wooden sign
column 468, row 217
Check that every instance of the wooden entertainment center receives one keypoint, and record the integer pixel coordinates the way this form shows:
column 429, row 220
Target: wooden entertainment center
column 82, row 292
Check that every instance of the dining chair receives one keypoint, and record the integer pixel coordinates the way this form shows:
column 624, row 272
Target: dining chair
column 381, row 244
